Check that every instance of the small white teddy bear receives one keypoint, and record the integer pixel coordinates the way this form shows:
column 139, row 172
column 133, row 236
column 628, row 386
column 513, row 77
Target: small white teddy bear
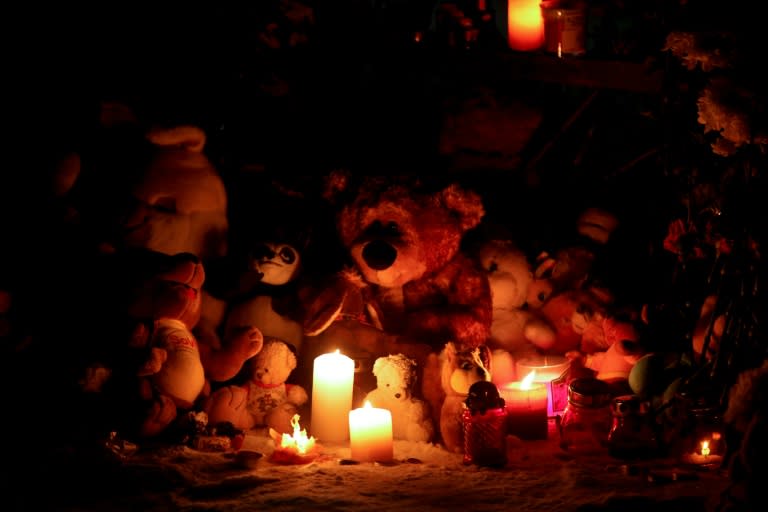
column 395, row 380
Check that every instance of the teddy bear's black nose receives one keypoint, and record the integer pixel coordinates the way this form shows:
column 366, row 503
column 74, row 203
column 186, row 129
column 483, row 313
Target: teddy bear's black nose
column 379, row 255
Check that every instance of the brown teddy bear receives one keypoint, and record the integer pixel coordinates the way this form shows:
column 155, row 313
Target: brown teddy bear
column 265, row 399
column 404, row 236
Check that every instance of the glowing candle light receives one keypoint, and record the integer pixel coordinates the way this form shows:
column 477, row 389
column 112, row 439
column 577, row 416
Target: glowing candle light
column 332, row 396
column 548, row 369
column 705, row 448
column 370, row 434
column 525, row 25
column 526, row 403
column 296, row 448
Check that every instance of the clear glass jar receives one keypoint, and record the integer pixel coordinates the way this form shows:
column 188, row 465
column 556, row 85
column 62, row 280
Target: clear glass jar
column 587, row 418
column 632, row 435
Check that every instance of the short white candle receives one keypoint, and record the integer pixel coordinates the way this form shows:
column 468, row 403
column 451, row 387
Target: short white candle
column 370, row 434
column 332, row 397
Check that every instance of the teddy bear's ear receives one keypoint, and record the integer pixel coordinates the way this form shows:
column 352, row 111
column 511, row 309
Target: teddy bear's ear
column 465, row 203
column 189, row 137
column 378, row 364
column 449, row 351
column 337, row 185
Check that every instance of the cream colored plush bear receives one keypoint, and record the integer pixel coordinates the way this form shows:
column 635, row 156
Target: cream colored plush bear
column 517, row 329
column 266, row 400
column 395, row 380
column 180, row 202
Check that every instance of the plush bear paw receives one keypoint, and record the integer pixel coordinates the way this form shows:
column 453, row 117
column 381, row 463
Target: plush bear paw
column 157, row 358
column 228, row 404
column 246, row 343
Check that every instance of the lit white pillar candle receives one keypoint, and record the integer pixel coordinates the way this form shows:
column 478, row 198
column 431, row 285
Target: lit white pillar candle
column 370, row 434
column 332, row 383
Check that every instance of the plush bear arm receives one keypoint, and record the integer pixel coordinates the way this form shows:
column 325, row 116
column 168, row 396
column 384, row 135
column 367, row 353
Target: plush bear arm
column 155, row 361
column 465, row 314
column 594, row 361
column 296, row 394
column 225, row 363
column 212, row 313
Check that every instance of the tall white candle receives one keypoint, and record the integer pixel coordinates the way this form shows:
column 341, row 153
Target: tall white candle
column 332, row 383
column 370, row 434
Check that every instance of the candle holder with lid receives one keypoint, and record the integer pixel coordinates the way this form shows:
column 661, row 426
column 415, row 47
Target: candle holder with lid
column 484, row 422
column 587, row 418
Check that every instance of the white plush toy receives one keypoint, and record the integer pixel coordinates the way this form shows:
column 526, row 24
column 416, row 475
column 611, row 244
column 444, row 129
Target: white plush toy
column 395, row 380
column 266, row 400
column 517, row 328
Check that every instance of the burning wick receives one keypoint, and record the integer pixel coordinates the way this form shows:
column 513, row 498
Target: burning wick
column 528, row 380
column 298, row 441
column 705, row 448
column 293, row 449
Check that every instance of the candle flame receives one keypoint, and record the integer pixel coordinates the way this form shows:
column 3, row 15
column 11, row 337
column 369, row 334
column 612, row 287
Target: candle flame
column 298, row 440
column 367, row 405
column 705, row 448
column 528, row 380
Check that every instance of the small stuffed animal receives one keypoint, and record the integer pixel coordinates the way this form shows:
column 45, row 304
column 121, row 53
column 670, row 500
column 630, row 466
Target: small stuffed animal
column 461, row 367
column 396, row 378
column 265, row 399
column 614, row 363
column 517, row 325
column 173, row 372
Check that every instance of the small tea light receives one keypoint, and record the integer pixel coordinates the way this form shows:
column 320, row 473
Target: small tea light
column 704, row 455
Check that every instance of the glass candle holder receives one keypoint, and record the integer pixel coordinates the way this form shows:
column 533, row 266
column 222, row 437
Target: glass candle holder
column 587, row 419
column 632, row 435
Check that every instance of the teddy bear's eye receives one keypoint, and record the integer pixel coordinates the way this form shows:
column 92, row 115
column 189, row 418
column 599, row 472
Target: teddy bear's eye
column 542, row 296
column 392, row 228
column 387, row 385
column 287, row 255
column 493, row 267
column 466, row 366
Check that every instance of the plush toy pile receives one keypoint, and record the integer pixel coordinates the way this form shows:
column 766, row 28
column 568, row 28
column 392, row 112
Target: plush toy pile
column 198, row 327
